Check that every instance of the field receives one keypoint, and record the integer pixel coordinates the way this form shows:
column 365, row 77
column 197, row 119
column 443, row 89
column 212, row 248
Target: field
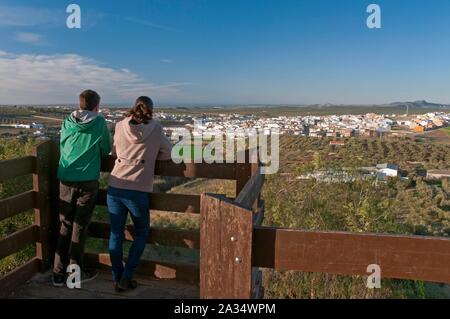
column 303, row 153
column 436, row 136
column 271, row 111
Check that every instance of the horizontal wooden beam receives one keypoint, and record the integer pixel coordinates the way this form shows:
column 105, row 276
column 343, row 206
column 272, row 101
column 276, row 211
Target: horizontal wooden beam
column 190, row 170
column 15, row 205
column 186, row 272
column 16, row 167
column 251, row 191
column 158, row 236
column 17, row 241
column 401, row 257
column 18, row 276
column 180, row 203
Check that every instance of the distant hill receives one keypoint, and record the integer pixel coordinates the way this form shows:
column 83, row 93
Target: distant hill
column 419, row 105
column 422, row 104
column 326, row 106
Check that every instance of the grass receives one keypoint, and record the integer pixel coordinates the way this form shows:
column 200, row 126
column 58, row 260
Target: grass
column 194, row 153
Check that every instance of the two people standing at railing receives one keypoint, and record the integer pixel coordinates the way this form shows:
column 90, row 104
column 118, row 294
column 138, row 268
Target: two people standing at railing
column 138, row 142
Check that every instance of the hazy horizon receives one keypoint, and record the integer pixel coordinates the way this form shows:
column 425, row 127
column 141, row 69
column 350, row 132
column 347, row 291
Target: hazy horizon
column 218, row 105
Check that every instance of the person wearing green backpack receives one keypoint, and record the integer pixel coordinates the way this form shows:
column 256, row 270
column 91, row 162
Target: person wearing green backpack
column 85, row 139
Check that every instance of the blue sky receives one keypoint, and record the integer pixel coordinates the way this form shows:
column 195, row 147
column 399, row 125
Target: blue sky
column 226, row 51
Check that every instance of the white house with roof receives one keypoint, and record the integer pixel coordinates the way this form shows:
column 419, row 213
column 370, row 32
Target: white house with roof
column 387, row 170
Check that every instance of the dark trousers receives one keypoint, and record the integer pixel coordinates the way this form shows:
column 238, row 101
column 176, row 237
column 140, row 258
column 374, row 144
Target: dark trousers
column 77, row 203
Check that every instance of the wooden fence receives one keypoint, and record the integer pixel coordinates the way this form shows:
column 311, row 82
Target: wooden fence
column 41, row 199
column 233, row 245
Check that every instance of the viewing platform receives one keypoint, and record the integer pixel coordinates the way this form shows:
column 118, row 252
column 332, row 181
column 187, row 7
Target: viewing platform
column 102, row 288
column 231, row 242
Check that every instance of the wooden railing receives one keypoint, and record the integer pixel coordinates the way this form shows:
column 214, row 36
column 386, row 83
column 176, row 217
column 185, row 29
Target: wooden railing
column 179, row 203
column 233, row 245
column 44, row 200
column 226, row 235
column 400, row 257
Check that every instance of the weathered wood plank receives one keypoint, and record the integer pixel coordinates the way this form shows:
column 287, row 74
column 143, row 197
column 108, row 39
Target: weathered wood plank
column 17, row 241
column 16, row 167
column 180, row 203
column 15, row 205
column 402, row 257
column 237, row 222
column 250, row 193
column 42, row 212
column 54, row 222
column 160, row 269
column 210, row 245
column 158, row 236
column 190, row 170
column 175, row 237
column 225, row 249
column 18, row 276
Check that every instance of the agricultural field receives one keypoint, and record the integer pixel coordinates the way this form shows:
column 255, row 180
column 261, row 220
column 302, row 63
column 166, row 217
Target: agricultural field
column 292, row 110
column 441, row 136
column 299, row 153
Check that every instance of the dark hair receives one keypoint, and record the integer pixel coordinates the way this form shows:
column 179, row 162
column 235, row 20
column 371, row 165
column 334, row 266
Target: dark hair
column 89, row 100
column 142, row 111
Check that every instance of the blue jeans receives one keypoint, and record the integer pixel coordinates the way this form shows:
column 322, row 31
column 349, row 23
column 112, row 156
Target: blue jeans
column 120, row 202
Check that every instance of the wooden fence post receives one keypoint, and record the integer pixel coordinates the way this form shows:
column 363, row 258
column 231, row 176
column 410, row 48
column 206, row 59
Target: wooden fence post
column 54, row 197
column 226, row 232
column 43, row 185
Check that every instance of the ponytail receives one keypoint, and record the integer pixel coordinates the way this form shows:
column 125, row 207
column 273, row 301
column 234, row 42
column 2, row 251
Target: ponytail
column 142, row 111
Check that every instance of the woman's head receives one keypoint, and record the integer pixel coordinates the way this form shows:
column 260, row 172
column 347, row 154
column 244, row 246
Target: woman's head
column 142, row 111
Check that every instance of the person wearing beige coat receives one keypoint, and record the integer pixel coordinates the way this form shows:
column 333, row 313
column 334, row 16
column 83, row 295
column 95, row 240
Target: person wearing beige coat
column 139, row 141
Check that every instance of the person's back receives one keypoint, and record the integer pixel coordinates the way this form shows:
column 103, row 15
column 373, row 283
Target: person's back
column 137, row 147
column 138, row 142
column 84, row 140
